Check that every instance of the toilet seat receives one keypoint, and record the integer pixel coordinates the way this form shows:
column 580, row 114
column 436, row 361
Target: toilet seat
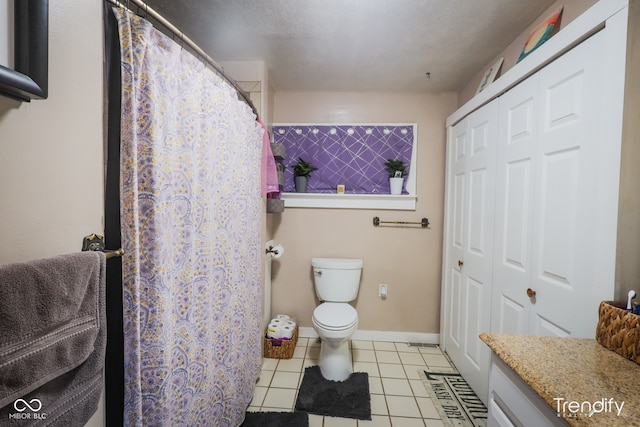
column 335, row 316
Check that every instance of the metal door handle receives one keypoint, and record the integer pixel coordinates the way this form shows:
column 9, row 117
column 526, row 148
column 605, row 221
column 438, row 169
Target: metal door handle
column 531, row 293
column 460, row 263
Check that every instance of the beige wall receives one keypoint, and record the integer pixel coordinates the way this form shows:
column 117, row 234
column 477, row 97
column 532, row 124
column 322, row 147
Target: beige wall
column 628, row 267
column 571, row 10
column 407, row 259
column 51, row 151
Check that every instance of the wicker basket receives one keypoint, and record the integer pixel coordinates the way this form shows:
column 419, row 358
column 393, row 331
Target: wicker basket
column 619, row 330
column 280, row 349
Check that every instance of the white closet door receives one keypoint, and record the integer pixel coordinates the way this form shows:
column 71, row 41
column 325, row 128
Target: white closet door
column 547, row 171
column 456, row 212
column 469, row 261
column 566, row 249
column 554, row 182
column 515, row 179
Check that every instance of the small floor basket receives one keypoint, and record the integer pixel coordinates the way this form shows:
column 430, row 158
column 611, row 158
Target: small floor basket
column 280, row 349
column 619, row 330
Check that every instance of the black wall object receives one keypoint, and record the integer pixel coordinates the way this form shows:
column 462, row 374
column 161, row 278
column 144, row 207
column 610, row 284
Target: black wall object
column 29, row 79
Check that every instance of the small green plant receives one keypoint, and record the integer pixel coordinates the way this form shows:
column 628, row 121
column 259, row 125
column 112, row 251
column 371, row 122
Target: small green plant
column 303, row 168
column 395, row 168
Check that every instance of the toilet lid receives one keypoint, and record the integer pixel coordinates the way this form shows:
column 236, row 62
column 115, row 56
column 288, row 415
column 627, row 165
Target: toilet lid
column 335, row 315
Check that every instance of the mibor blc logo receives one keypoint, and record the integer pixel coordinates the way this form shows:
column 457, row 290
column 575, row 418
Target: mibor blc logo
column 27, row 410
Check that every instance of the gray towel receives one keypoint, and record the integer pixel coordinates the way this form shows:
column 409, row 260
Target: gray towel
column 52, row 339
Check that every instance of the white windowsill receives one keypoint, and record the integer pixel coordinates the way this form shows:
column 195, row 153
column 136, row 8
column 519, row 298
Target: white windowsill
column 349, row 201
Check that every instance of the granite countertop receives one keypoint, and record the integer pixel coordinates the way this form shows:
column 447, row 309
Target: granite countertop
column 576, row 369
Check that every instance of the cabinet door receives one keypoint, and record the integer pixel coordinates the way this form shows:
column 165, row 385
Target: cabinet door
column 513, row 403
column 468, row 262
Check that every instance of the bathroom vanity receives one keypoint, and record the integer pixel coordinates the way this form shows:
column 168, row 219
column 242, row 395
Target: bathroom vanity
column 552, row 381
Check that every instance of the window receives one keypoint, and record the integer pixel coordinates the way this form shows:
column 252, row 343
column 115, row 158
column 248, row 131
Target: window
column 352, row 155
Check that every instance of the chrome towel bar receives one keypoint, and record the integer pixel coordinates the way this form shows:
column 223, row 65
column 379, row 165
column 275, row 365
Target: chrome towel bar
column 424, row 223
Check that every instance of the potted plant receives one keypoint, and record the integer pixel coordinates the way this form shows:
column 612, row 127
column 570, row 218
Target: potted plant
column 302, row 172
column 396, row 169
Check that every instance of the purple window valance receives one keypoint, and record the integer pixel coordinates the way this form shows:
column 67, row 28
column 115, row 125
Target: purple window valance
column 353, row 155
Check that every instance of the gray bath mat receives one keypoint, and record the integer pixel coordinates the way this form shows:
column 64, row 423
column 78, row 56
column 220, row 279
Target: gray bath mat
column 347, row 399
column 275, row 419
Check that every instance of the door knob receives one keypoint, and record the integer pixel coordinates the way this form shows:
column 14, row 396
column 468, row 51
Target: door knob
column 460, row 263
column 531, row 293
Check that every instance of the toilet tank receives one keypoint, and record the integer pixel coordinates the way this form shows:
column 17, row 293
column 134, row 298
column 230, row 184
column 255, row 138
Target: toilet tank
column 336, row 279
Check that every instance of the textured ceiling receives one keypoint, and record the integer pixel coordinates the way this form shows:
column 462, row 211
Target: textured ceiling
column 356, row 45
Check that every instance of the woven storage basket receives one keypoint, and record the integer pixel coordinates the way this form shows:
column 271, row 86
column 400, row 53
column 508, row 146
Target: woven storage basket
column 619, row 330
column 280, row 349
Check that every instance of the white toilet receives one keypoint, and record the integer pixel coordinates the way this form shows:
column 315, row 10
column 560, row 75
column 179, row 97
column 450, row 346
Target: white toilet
column 337, row 281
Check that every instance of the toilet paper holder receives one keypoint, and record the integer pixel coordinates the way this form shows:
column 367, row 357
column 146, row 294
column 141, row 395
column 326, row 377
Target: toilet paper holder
column 275, row 250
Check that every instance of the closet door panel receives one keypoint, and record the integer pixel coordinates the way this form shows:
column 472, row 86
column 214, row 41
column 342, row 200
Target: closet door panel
column 515, row 171
column 458, row 211
column 558, row 211
column 455, row 309
column 516, row 225
column 477, row 262
column 476, row 269
column 455, row 239
column 556, row 250
column 565, row 251
column 478, row 208
column 514, row 250
column 458, row 163
column 564, row 101
column 511, row 317
column 473, row 347
column 541, row 325
column 480, row 195
column 469, row 243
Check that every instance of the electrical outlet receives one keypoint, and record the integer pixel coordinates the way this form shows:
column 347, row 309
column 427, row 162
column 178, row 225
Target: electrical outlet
column 382, row 291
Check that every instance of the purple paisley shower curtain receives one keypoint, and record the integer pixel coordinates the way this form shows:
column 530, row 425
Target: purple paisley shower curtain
column 191, row 224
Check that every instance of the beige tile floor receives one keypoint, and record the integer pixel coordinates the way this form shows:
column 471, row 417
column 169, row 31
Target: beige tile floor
column 398, row 397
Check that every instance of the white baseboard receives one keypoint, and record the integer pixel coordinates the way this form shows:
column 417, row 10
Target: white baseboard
column 389, row 336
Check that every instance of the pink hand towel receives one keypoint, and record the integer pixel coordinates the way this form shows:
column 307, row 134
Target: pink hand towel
column 269, row 174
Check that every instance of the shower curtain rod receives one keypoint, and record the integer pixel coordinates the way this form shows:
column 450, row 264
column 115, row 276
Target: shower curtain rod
column 186, row 40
